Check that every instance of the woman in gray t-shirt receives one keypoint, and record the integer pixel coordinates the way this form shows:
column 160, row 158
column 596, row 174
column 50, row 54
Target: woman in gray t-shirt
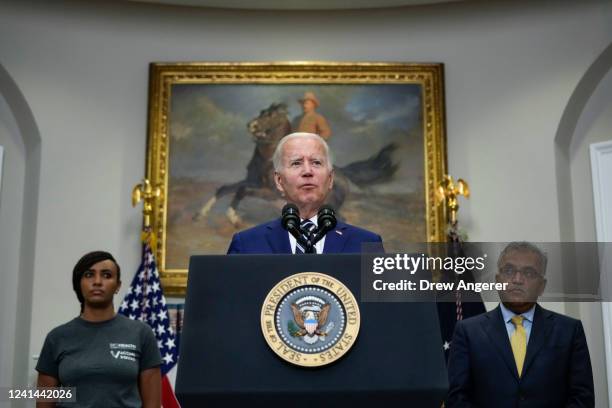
column 112, row 361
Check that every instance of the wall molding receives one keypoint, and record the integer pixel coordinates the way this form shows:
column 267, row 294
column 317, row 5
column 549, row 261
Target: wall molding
column 601, row 172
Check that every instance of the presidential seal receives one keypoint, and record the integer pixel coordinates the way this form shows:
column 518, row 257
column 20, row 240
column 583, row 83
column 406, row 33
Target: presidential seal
column 310, row 319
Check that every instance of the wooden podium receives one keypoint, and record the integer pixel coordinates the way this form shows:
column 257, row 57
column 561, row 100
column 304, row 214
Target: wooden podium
column 397, row 359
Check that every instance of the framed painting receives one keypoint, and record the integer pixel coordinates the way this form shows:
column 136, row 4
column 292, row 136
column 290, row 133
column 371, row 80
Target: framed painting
column 213, row 128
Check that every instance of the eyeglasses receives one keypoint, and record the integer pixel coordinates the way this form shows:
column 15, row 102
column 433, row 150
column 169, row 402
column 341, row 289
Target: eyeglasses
column 508, row 271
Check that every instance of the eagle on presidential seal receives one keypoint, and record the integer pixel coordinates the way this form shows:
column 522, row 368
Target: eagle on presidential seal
column 310, row 314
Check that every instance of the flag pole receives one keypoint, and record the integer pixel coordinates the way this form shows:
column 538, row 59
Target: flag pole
column 447, row 194
column 145, row 300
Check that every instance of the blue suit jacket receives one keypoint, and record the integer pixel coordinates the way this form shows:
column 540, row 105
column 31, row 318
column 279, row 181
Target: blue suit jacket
column 556, row 373
column 272, row 238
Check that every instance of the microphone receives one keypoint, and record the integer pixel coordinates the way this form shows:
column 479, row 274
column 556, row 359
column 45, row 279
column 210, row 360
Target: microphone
column 290, row 220
column 290, row 217
column 326, row 218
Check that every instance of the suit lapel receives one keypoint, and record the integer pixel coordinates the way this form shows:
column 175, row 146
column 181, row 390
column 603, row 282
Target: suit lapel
column 335, row 240
column 495, row 327
column 543, row 323
column 278, row 238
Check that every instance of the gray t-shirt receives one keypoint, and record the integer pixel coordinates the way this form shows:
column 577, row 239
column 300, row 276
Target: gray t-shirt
column 102, row 360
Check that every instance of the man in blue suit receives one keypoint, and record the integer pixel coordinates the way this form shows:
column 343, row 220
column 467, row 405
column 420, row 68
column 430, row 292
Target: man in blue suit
column 303, row 173
column 519, row 354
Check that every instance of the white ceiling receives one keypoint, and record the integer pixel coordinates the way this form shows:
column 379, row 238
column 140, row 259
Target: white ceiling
column 295, row 4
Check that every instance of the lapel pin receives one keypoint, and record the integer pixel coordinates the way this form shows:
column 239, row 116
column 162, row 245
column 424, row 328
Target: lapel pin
column 338, row 232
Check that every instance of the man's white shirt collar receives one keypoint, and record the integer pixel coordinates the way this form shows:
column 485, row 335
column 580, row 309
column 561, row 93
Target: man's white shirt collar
column 318, row 246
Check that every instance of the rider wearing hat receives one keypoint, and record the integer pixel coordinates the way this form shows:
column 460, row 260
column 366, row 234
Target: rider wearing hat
column 311, row 121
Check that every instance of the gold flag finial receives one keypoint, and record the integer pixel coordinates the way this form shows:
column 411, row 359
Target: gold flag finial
column 449, row 192
column 148, row 194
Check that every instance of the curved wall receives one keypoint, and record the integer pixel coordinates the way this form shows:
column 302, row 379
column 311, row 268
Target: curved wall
column 18, row 215
column 511, row 70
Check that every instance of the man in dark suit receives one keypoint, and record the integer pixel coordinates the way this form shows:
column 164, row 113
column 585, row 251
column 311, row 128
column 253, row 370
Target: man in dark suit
column 519, row 354
column 303, row 173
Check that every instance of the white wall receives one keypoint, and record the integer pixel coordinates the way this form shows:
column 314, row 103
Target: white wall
column 511, row 68
column 601, row 159
column 594, row 125
column 11, row 203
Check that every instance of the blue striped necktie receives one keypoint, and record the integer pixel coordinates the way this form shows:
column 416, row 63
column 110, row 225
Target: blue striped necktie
column 307, row 227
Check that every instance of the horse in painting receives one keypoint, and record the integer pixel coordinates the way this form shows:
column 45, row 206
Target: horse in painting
column 267, row 130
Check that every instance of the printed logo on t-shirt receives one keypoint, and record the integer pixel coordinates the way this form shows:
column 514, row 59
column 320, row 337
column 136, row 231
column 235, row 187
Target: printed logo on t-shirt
column 123, row 351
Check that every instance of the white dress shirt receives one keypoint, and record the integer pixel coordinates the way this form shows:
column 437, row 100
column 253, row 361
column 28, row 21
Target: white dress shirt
column 318, row 246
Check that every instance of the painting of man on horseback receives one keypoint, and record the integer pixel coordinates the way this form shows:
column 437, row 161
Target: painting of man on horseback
column 267, row 130
column 222, row 137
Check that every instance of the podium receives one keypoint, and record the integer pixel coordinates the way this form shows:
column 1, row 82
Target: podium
column 397, row 359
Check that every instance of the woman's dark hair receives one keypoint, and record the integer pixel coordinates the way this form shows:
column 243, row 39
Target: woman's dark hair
column 86, row 262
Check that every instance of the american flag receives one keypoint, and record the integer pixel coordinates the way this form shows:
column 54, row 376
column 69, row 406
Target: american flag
column 145, row 301
column 449, row 313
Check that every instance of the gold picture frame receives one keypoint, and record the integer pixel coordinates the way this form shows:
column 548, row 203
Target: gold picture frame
column 197, row 125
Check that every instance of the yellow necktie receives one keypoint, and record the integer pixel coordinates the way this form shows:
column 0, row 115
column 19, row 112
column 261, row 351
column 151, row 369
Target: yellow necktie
column 518, row 341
